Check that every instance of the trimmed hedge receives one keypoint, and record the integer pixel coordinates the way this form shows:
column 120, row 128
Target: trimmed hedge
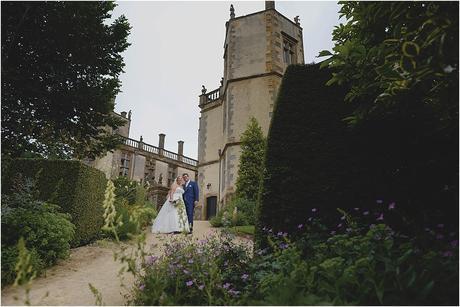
column 314, row 161
column 78, row 189
column 307, row 159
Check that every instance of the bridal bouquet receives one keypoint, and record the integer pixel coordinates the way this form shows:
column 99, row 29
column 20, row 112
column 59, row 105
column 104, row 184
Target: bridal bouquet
column 179, row 202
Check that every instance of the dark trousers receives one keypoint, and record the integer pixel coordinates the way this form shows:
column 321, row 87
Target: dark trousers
column 189, row 209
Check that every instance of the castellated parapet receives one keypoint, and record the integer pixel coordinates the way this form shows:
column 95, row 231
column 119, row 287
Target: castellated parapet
column 257, row 50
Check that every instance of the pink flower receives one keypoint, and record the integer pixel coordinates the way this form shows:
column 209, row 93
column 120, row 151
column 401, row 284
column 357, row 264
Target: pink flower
column 142, row 287
column 391, row 206
column 380, row 218
column 189, row 283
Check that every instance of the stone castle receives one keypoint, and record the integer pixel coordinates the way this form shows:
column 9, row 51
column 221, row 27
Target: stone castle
column 145, row 163
column 257, row 50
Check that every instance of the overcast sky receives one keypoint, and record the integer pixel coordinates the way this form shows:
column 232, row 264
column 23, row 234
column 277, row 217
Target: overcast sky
column 178, row 46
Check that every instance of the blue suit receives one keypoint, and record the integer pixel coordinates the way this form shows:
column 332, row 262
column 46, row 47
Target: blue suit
column 190, row 195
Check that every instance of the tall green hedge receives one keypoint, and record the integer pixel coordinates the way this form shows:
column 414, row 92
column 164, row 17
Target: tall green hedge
column 308, row 163
column 78, row 189
column 315, row 161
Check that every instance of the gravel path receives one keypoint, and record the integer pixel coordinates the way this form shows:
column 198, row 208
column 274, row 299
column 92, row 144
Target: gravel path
column 67, row 282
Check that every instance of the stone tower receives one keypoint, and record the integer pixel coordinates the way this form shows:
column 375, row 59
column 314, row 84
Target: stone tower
column 258, row 47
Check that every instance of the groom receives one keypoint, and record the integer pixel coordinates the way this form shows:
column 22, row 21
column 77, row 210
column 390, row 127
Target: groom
column 190, row 198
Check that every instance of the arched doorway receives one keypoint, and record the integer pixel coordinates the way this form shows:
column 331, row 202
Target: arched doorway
column 211, row 207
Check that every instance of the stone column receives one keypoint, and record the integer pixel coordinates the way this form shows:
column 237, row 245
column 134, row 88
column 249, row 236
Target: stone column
column 269, row 5
column 180, row 149
column 161, row 142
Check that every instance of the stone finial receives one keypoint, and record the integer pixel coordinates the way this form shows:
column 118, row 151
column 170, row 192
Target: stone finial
column 203, row 90
column 141, row 139
column 180, row 148
column 297, row 20
column 269, row 5
column 129, row 115
column 123, row 114
column 222, row 81
column 232, row 11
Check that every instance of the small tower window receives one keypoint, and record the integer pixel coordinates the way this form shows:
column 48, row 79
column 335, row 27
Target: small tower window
column 289, row 49
column 289, row 52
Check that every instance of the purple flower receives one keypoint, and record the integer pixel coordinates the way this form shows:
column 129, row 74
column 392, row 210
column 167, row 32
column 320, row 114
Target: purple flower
column 189, row 283
column 265, row 228
column 283, row 246
column 348, row 229
column 447, row 254
column 365, row 212
column 440, row 225
column 244, row 276
column 439, row 237
column 391, row 206
column 190, row 261
column 313, row 210
column 233, row 292
column 342, row 218
column 379, row 201
column 356, row 209
column 279, row 234
column 380, row 218
column 186, row 272
column 226, row 285
column 454, row 243
column 299, row 226
column 340, row 225
column 201, row 287
column 333, row 232
column 309, row 219
column 142, row 287
column 151, row 260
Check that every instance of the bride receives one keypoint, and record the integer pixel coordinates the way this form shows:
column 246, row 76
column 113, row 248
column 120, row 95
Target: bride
column 172, row 216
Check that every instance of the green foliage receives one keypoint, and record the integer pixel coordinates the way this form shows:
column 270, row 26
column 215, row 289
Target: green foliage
column 389, row 52
column 357, row 263
column 58, row 96
column 237, row 212
column 78, row 189
column 251, row 161
column 126, row 189
column 208, row 272
column 400, row 61
column 310, row 162
column 10, row 256
column 245, row 230
column 47, row 232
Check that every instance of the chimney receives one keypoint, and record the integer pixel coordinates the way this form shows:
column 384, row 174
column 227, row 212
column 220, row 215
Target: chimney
column 161, row 142
column 180, row 148
column 123, row 114
column 269, row 5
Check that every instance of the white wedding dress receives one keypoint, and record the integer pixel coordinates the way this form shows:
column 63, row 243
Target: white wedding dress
column 172, row 216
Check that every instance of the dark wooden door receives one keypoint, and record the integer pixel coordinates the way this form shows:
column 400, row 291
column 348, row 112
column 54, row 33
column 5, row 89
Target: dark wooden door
column 211, row 207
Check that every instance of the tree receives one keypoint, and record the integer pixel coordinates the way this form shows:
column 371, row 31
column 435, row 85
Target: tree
column 394, row 52
column 251, row 161
column 60, row 67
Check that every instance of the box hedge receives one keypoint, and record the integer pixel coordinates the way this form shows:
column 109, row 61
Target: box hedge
column 78, row 189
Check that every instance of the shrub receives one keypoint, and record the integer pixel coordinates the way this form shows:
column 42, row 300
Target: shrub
column 126, row 189
column 10, row 258
column 356, row 263
column 47, row 232
column 77, row 188
column 251, row 161
column 229, row 216
column 208, row 272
